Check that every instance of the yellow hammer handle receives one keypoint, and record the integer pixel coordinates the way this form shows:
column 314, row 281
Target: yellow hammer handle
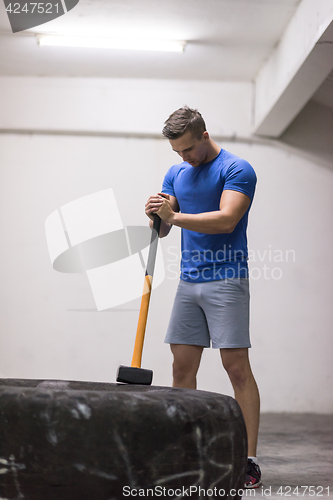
column 141, row 329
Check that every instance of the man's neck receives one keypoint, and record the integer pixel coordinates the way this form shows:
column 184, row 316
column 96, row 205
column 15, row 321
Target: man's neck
column 213, row 151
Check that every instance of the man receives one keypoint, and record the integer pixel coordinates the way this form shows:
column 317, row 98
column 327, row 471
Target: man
column 209, row 196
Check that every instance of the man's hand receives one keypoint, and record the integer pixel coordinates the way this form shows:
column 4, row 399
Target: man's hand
column 152, row 205
column 164, row 205
column 159, row 204
column 165, row 211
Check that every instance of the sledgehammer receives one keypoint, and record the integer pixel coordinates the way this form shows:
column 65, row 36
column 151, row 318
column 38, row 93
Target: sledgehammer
column 134, row 374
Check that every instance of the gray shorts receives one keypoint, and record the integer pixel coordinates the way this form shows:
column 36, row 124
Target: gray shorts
column 214, row 312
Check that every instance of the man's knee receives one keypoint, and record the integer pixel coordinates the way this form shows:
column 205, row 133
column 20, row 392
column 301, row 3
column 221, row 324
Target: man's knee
column 238, row 376
column 180, row 370
column 183, row 368
column 186, row 360
column 237, row 366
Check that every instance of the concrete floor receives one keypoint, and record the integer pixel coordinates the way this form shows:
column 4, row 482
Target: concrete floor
column 295, row 450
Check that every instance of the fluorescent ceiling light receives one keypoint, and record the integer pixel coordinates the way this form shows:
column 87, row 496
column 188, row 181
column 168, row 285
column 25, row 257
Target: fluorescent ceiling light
column 112, row 43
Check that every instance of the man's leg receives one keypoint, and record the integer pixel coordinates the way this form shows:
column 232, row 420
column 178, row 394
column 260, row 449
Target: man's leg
column 237, row 364
column 186, row 361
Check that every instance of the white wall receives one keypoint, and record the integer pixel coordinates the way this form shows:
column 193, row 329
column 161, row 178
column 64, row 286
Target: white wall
column 49, row 328
column 120, row 105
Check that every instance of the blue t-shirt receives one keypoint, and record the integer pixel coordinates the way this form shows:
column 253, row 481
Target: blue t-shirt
column 210, row 257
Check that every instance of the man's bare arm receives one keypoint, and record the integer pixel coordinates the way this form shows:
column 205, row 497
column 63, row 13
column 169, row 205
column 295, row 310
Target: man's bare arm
column 233, row 206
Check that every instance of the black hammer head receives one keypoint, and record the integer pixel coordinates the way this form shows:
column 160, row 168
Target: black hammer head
column 131, row 375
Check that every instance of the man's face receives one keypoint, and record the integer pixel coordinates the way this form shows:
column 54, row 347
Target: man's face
column 191, row 149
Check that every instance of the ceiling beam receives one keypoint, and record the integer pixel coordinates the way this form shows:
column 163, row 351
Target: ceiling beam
column 297, row 67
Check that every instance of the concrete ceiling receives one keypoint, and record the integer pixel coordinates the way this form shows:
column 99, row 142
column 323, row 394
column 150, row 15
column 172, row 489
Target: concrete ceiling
column 227, row 39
